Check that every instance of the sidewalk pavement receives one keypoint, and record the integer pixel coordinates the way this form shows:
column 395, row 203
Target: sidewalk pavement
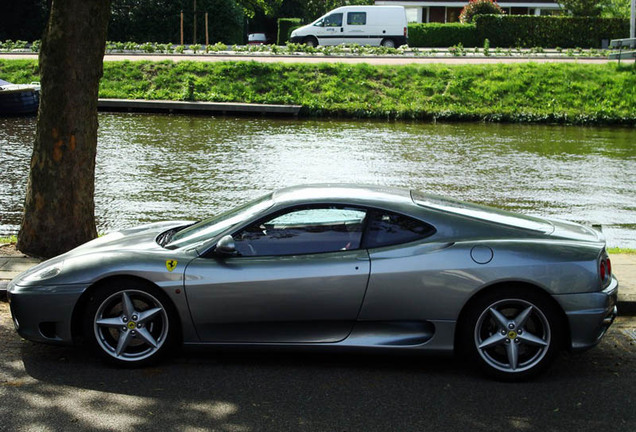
column 623, row 266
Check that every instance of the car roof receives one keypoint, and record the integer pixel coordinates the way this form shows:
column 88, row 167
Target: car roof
column 349, row 193
column 407, row 201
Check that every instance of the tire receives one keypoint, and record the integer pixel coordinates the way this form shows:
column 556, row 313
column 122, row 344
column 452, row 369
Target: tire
column 512, row 334
column 130, row 324
column 311, row 41
column 388, row 43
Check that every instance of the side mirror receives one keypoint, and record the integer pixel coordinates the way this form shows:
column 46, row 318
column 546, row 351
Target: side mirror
column 226, row 246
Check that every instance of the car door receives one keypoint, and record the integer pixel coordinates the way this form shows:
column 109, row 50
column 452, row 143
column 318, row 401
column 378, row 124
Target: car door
column 330, row 31
column 355, row 28
column 299, row 276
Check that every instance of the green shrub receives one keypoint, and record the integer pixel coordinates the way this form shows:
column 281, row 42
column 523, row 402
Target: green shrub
column 148, row 47
column 443, row 35
column 479, row 7
column 548, row 31
column 285, row 27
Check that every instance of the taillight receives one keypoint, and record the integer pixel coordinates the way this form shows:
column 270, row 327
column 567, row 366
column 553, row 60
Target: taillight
column 405, row 29
column 603, row 270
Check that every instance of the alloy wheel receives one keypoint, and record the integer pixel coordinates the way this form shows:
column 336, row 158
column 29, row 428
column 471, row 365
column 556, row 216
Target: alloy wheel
column 131, row 325
column 512, row 335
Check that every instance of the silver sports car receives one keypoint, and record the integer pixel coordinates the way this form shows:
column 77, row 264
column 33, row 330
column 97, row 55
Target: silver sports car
column 335, row 267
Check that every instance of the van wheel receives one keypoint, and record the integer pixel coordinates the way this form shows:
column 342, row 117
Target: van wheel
column 311, row 41
column 388, row 43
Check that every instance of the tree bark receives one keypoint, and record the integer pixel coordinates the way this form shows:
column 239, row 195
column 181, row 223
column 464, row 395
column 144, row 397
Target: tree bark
column 59, row 211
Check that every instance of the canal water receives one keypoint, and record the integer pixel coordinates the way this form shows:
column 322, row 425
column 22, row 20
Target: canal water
column 153, row 167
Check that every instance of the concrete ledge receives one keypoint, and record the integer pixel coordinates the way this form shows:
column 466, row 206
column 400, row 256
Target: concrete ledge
column 183, row 106
column 11, row 266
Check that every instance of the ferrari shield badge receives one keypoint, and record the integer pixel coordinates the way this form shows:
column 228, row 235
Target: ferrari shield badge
column 171, row 265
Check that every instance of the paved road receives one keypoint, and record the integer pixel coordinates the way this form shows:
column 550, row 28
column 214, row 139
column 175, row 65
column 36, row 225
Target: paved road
column 320, row 59
column 51, row 388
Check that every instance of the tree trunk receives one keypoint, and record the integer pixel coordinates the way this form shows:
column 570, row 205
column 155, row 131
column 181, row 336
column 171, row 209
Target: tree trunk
column 59, row 211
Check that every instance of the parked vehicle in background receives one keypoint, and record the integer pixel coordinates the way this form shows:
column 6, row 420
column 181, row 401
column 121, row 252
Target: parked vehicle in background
column 19, row 99
column 363, row 25
column 256, row 39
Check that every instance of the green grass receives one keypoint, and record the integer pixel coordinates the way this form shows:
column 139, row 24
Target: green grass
column 10, row 239
column 522, row 92
column 618, row 250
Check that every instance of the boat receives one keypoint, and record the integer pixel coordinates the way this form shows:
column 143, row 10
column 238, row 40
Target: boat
column 19, row 99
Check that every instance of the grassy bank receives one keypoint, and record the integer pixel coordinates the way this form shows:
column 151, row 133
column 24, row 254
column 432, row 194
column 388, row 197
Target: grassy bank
column 524, row 92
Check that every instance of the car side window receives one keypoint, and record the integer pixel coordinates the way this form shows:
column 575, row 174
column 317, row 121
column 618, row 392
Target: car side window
column 303, row 231
column 356, row 18
column 333, row 20
column 387, row 228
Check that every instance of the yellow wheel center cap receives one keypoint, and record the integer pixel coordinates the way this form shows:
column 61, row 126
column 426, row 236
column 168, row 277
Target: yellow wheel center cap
column 512, row 334
column 131, row 325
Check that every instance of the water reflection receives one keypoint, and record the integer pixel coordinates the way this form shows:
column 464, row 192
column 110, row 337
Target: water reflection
column 157, row 167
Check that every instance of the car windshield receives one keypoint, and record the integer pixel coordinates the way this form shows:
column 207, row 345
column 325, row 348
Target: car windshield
column 477, row 211
column 209, row 228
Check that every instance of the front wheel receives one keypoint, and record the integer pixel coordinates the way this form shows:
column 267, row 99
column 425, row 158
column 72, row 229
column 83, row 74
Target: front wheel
column 311, row 41
column 512, row 334
column 130, row 324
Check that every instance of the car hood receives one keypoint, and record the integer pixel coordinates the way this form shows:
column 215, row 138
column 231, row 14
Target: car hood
column 132, row 240
column 138, row 238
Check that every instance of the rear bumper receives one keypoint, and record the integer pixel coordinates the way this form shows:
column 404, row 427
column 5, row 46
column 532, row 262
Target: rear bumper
column 589, row 315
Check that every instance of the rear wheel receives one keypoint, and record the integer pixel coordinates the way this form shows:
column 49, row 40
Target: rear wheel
column 512, row 334
column 130, row 324
column 388, row 43
column 311, row 41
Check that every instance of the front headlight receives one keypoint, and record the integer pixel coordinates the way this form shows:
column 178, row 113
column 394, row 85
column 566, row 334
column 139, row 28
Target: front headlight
column 45, row 273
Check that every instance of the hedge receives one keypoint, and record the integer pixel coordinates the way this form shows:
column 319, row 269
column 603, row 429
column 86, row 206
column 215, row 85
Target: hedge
column 528, row 31
column 443, row 35
column 285, row 27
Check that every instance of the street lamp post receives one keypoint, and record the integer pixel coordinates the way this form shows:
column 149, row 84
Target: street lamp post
column 632, row 21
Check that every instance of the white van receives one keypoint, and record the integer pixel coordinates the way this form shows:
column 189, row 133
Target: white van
column 364, row 25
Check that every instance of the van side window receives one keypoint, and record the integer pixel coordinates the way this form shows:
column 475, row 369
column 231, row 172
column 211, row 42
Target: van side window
column 333, row 20
column 357, row 18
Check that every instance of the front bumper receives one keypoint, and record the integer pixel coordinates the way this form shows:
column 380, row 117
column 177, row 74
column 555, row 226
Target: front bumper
column 44, row 313
column 590, row 315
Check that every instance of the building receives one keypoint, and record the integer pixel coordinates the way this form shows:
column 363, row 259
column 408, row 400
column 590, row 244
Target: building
column 443, row 11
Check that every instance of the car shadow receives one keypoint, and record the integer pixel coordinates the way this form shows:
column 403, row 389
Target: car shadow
column 77, row 367
column 256, row 390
